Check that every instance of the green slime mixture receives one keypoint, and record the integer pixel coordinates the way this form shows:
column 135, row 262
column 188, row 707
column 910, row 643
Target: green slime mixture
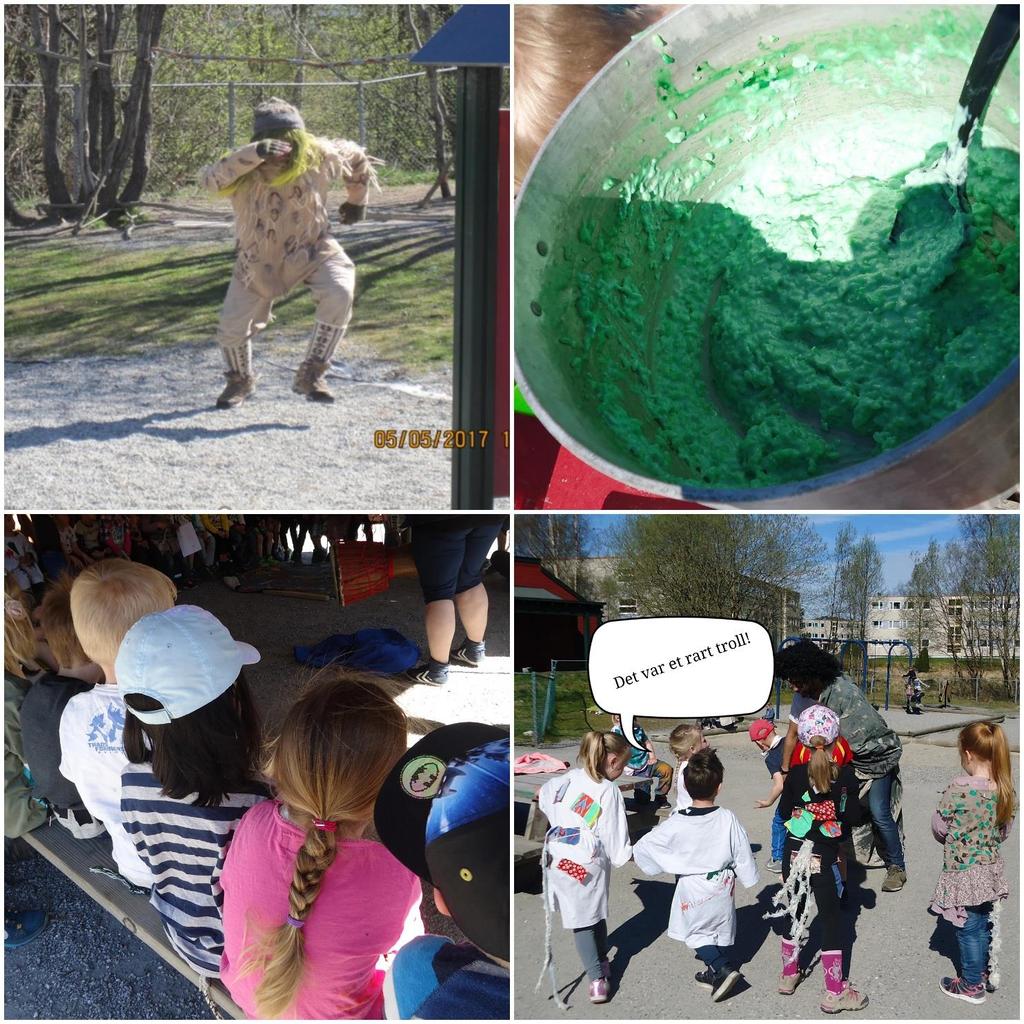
column 753, row 324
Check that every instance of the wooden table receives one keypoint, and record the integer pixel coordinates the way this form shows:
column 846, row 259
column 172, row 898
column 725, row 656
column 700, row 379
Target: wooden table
column 527, row 787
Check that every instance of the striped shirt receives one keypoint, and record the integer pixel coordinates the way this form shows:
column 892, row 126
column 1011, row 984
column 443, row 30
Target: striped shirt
column 184, row 846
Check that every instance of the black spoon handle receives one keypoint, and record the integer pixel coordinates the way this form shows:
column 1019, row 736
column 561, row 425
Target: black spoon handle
column 1001, row 35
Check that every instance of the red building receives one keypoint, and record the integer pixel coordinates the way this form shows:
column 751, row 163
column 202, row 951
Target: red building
column 552, row 621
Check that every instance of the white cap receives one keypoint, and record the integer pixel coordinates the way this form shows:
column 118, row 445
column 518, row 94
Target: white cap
column 183, row 657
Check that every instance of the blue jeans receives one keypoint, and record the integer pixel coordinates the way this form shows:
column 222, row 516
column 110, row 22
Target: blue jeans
column 880, row 805
column 779, row 834
column 715, row 957
column 973, row 939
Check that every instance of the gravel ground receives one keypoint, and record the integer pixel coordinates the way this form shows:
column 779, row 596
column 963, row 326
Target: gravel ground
column 98, row 432
column 86, row 965
column 900, row 954
column 143, row 432
column 61, row 975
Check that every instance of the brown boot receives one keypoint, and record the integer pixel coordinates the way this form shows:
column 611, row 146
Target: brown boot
column 309, row 380
column 240, row 387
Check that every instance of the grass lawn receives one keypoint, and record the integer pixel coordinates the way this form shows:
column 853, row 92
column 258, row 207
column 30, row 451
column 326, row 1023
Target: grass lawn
column 68, row 299
column 574, row 706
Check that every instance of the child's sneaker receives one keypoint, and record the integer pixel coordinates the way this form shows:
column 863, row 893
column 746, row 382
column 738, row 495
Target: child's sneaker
column 719, row 982
column 599, row 991
column 959, row 989
column 848, row 998
column 469, row 653
column 774, row 866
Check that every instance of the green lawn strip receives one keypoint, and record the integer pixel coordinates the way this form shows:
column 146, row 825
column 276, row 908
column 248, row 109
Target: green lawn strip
column 67, row 300
column 572, row 694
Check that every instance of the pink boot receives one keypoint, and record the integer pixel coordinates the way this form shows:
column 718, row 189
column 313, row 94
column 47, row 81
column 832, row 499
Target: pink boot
column 790, row 977
column 839, row 995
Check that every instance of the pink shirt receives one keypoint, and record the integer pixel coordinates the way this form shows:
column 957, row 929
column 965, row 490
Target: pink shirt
column 367, row 907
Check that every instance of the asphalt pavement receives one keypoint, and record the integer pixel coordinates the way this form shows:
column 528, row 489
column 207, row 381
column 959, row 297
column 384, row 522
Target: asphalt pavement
column 899, row 954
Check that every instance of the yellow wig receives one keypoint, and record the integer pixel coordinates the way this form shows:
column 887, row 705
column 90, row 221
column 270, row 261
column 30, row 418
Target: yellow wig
column 307, row 155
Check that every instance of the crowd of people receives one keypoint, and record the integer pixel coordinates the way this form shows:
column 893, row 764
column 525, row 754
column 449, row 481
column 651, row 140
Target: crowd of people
column 835, row 780
column 128, row 714
column 186, row 548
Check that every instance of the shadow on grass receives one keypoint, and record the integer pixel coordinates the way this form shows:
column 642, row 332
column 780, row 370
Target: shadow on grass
column 165, row 267
column 114, row 430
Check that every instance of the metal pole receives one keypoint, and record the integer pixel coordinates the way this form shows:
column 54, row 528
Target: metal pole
column 536, row 724
column 476, row 272
column 231, row 115
column 361, row 105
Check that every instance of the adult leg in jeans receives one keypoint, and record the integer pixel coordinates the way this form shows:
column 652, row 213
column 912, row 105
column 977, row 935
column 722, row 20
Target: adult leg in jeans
column 973, row 939
column 880, row 804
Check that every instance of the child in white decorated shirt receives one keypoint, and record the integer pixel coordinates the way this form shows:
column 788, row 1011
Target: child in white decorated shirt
column 707, row 848
column 587, row 837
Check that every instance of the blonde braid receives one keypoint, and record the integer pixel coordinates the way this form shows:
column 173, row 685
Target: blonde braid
column 284, row 949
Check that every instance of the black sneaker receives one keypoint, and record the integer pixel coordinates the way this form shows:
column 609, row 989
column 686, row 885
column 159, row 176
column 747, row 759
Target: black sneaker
column 469, row 653
column 430, row 672
column 706, row 979
column 723, row 982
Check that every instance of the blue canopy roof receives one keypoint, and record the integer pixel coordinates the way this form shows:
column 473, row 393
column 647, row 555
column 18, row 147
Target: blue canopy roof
column 475, row 36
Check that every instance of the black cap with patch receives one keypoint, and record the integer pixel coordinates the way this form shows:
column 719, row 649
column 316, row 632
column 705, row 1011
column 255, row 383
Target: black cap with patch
column 443, row 812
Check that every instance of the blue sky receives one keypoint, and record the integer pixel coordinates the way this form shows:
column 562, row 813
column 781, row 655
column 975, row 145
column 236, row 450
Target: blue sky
column 897, row 536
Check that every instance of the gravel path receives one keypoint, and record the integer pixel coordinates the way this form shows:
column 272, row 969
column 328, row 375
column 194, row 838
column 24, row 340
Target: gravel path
column 144, row 433
column 901, row 951
column 86, row 965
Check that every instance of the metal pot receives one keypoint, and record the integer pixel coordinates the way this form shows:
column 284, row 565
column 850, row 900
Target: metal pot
column 964, row 460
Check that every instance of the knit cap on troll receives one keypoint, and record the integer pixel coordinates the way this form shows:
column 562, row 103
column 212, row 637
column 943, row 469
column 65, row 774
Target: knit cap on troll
column 275, row 115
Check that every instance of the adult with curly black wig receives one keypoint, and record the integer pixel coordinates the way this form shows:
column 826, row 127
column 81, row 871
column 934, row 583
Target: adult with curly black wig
column 816, row 678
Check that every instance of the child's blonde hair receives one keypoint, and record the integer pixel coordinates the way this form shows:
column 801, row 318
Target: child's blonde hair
column 595, row 746
column 987, row 742
column 19, row 633
column 682, row 740
column 109, row 597
column 58, row 626
column 336, row 747
column 821, row 769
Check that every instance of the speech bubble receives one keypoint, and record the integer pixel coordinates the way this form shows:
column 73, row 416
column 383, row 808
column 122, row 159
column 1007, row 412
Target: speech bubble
column 680, row 667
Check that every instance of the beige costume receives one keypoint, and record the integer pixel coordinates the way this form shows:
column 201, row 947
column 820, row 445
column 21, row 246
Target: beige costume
column 284, row 239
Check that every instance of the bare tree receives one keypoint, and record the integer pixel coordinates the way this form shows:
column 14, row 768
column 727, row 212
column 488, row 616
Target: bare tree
column 861, row 579
column 421, row 26
column 562, row 543
column 102, row 155
column 922, row 601
column 841, row 553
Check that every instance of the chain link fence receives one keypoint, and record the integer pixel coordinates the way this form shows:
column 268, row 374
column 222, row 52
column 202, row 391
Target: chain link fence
column 194, row 123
